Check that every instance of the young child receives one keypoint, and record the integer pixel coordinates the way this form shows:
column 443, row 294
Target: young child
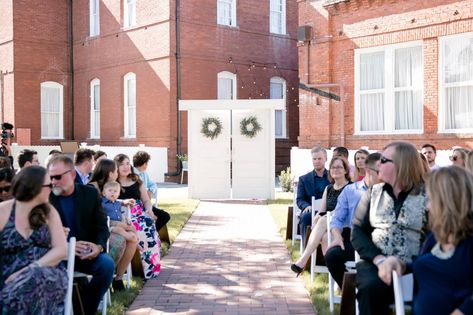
column 112, row 207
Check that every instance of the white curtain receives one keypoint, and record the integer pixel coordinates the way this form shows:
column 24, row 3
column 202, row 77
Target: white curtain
column 408, row 88
column 372, row 101
column 50, row 111
column 458, row 69
column 94, row 17
column 131, row 107
column 224, row 12
column 225, row 89
column 276, row 92
column 276, row 16
column 96, row 112
column 130, row 18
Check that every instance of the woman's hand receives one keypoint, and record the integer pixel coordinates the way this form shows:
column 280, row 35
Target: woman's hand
column 457, row 312
column 14, row 275
column 385, row 269
column 129, row 202
column 151, row 215
column 337, row 241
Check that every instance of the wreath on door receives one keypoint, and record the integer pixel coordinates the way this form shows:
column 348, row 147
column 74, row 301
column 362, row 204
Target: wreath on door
column 211, row 127
column 250, row 126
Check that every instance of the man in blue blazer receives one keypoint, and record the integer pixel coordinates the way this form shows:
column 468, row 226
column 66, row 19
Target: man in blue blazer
column 311, row 184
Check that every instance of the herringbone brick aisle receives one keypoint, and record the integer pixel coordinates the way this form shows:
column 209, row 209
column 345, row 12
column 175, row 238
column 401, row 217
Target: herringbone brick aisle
column 228, row 259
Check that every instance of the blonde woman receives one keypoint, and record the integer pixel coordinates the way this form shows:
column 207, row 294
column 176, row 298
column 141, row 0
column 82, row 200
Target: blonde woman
column 360, row 157
column 458, row 157
column 444, row 273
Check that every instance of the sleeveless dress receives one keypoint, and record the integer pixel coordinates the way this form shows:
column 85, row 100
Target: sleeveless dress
column 148, row 238
column 332, row 196
column 37, row 290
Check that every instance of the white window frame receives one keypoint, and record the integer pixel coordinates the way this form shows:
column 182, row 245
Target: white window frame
column 281, row 28
column 94, row 114
column 129, row 17
column 442, row 86
column 127, row 132
column 279, row 80
column 231, row 76
column 94, row 18
column 55, row 85
column 233, row 21
column 389, row 89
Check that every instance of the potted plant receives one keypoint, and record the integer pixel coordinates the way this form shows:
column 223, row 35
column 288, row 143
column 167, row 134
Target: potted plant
column 183, row 158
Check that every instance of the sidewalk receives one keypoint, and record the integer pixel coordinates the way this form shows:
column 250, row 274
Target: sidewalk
column 228, row 259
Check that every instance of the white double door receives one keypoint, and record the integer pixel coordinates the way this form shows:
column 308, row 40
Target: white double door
column 231, row 165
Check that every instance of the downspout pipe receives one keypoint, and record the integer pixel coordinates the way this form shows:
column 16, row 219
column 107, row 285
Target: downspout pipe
column 71, row 69
column 178, row 170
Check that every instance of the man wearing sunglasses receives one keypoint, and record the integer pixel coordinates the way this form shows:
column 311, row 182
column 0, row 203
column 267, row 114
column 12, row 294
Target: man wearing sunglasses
column 81, row 212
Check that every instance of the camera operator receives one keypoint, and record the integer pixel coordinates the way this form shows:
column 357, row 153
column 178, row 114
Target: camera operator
column 6, row 135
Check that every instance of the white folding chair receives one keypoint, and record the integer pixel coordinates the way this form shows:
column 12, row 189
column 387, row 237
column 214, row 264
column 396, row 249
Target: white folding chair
column 128, row 275
column 71, row 254
column 295, row 220
column 403, row 291
column 316, row 203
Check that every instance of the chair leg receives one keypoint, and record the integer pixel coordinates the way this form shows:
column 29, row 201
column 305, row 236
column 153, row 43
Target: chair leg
column 182, row 176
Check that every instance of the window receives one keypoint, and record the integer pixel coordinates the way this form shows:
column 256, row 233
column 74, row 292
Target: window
column 52, row 96
column 130, row 105
column 95, row 108
column 277, row 16
column 129, row 13
column 226, row 86
column 456, row 83
column 388, row 89
column 226, row 12
column 277, row 90
column 94, row 6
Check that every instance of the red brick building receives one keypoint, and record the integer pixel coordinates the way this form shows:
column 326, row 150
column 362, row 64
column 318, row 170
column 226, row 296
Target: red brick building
column 111, row 72
column 373, row 71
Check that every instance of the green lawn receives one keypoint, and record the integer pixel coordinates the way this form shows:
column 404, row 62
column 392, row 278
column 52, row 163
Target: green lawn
column 318, row 290
column 180, row 211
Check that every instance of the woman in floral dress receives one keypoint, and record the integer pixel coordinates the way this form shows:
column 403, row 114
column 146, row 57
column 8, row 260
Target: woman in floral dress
column 32, row 244
column 142, row 216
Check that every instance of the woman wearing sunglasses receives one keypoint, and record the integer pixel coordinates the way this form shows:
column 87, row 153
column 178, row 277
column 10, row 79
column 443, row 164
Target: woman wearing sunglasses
column 458, row 157
column 390, row 220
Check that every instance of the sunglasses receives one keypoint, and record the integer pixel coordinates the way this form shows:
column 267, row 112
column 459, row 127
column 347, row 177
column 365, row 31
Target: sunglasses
column 454, row 158
column 50, row 185
column 385, row 160
column 4, row 189
column 58, row 177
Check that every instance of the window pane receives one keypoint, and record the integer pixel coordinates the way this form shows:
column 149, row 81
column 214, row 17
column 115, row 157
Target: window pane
column 132, row 121
column 372, row 71
column 278, row 123
column 225, row 89
column 408, row 110
column 96, row 97
column 459, row 107
column 408, row 67
column 224, row 12
column 372, row 112
column 276, row 90
column 458, row 60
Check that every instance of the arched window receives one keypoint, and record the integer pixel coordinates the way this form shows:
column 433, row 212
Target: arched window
column 277, row 90
column 226, row 86
column 52, row 110
column 95, row 108
column 129, row 92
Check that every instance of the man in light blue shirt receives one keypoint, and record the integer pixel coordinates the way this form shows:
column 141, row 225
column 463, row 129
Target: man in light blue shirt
column 340, row 249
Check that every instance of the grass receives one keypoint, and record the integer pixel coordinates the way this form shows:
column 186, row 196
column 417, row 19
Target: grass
column 180, row 211
column 318, row 290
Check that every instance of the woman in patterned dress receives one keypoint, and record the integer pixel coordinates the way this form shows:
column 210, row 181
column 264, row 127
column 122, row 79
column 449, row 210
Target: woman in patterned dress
column 142, row 216
column 32, row 244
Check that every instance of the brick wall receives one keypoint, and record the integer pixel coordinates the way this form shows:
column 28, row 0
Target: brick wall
column 343, row 27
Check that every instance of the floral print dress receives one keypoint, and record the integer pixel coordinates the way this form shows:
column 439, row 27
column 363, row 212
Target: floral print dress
column 149, row 243
column 37, row 290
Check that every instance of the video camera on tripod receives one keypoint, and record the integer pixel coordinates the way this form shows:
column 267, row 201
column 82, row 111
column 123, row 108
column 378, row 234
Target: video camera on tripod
column 7, row 132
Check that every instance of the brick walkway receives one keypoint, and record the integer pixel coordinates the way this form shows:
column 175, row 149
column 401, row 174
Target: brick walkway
column 229, row 259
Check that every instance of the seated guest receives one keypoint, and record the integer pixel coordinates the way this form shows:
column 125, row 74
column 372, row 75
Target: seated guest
column 311, row 185
column 343, row 153
column 27, row 158
column 50, row 155
column 339, row 178
column 6, row 177
column 99, row 155
column 119, row 224
column 360, row 157
column 430, row 153
column 32, row 245
column 5, row 162
column 390, row 220
column 340, row 249
column 444, row 273
column 81, row 211
column 140, row 162
column 142, row 216
column 83, row 163
column 458, row 157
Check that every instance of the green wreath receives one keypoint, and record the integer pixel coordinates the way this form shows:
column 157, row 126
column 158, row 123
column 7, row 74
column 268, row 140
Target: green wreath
column 211, row 127
column 250, row 126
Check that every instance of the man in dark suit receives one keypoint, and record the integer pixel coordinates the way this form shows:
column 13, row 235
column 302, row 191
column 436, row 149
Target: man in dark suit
column 84, row 163
column 311, row 184
column 81, row 212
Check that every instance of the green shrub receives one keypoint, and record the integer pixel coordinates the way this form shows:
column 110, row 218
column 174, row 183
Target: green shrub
column 285, row 179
